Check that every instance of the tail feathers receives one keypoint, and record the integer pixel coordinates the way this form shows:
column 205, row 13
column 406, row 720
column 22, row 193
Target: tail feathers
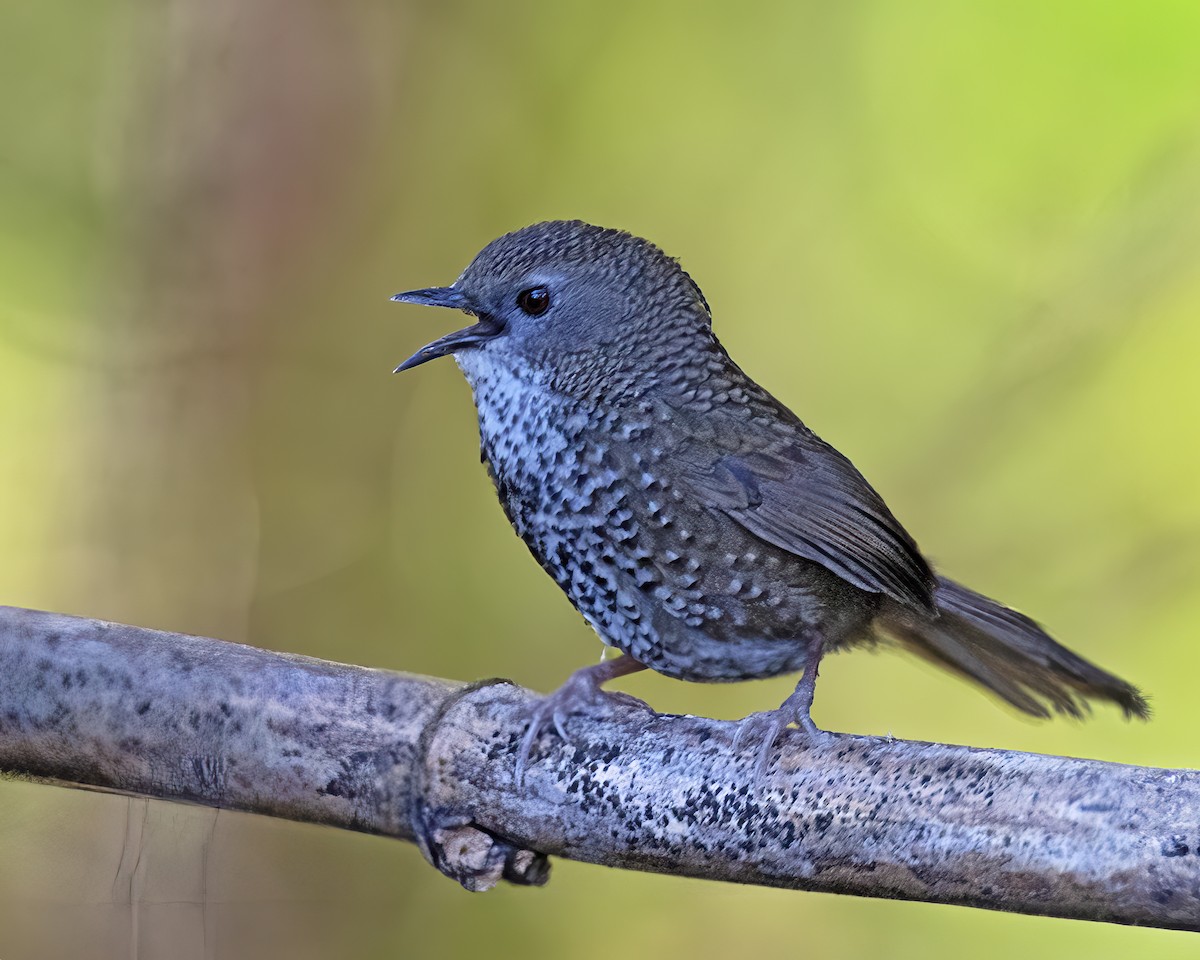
column 1008, row 653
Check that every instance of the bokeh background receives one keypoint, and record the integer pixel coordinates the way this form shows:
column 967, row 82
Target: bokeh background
column 960, row 239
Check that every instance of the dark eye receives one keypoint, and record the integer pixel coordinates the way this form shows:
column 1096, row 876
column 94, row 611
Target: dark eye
column 535, row 301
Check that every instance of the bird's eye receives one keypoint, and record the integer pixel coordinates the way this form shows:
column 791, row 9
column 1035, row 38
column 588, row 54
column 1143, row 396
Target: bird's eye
column 535, row 301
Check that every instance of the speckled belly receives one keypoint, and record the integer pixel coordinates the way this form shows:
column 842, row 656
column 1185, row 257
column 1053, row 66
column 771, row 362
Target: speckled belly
column 677, row 585
column 687, row 592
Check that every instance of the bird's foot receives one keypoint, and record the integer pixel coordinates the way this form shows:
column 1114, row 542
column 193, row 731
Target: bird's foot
column 766, row 727
column 580, row 694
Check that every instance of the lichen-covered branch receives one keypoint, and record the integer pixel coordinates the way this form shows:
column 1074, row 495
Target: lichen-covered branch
column 95, row 704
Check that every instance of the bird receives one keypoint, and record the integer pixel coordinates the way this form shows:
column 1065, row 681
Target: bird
column 696, row 523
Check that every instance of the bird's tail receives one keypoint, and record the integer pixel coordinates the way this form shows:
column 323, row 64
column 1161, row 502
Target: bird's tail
column 1008, row 653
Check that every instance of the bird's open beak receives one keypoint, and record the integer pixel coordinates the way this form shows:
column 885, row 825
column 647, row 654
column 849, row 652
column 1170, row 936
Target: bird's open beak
column 479, row 332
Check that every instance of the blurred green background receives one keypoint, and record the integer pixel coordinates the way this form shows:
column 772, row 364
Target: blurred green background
column 960, row 239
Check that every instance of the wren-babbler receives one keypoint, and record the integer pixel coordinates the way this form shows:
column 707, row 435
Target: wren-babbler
column 697, row 524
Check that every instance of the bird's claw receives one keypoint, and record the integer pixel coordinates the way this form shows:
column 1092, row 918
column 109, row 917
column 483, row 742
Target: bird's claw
column 560, row 727
column 767, row 727
column 577, row 695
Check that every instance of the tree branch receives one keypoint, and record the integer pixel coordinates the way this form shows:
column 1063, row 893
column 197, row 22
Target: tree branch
column 124, row 709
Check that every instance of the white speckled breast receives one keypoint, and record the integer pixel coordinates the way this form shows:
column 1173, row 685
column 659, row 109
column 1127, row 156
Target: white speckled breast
column 556, row 489
column 656, row 574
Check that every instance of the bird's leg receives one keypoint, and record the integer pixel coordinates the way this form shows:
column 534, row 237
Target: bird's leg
column 795, row 709
column 581, row 691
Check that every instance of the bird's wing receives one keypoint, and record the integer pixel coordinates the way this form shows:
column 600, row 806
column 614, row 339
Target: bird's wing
column 794, row 491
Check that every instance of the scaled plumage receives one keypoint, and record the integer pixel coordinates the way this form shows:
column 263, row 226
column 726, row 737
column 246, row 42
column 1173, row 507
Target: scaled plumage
column 697, row 524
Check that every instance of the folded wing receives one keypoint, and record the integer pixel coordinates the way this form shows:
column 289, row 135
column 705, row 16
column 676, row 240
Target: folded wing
column 799, row 494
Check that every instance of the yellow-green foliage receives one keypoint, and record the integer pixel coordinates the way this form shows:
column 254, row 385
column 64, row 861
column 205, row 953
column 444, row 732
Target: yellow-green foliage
column 959, row 239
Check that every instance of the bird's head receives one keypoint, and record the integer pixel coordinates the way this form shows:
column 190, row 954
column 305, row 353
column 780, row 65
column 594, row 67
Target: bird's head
column 565, row 289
